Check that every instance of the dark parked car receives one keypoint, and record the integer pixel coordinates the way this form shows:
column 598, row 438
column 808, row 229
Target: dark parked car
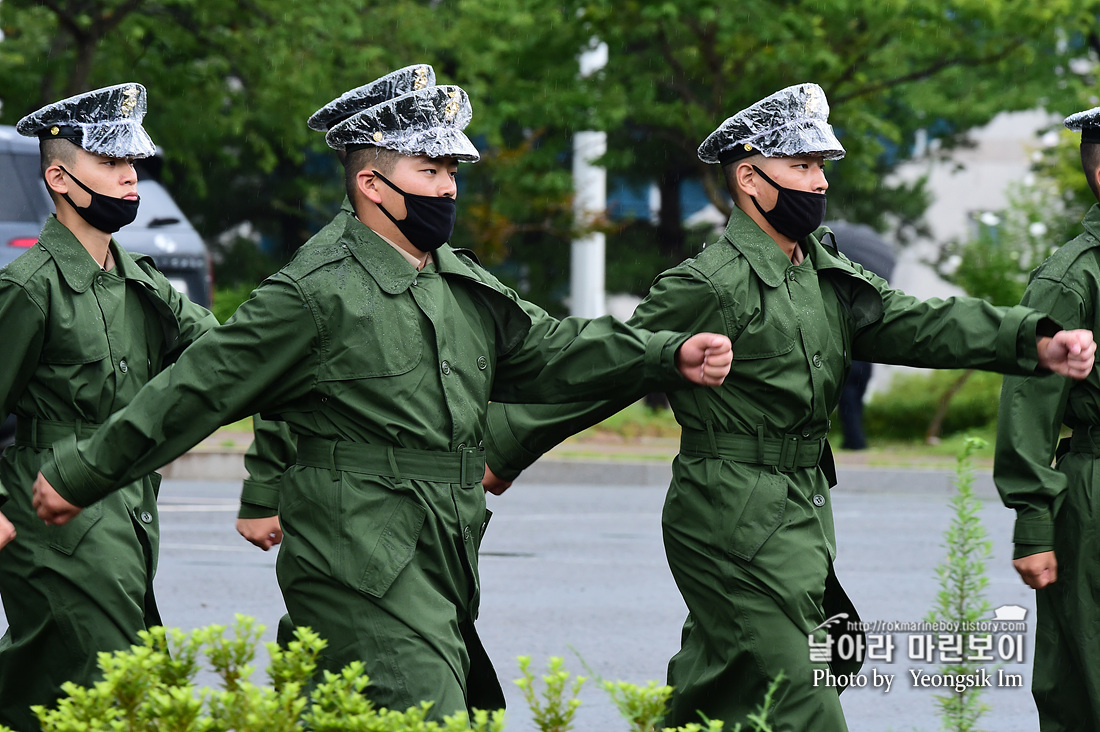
column 160, row 230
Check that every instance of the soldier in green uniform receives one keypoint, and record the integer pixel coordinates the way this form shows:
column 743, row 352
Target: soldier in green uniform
column 272, row 451
column 1057, row 544
column 85, row 325
column 748, row 525
column 380, row 347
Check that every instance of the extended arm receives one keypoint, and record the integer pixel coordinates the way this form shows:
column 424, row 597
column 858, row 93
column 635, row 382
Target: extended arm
column 518, row 434
column 233, row 371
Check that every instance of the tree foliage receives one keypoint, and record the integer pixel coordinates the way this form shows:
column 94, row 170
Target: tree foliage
column 231, row 85
column 889, row 68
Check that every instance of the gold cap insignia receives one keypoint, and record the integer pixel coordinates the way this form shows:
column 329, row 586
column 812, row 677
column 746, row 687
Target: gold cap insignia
column 452, row 106
column 813, row 104
column 748, row 147
column 54, row 130
column 378, row 136
column 130, row 102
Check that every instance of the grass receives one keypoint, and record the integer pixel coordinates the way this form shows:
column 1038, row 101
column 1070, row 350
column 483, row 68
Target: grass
column 639, row 433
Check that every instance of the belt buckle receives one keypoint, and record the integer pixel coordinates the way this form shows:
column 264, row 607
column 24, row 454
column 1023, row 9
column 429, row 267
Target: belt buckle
column 467, row 463
column 788, row 454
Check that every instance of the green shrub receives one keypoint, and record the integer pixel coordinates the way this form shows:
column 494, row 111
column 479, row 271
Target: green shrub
column 904, row 411
column 150, row 688
column 559, row 702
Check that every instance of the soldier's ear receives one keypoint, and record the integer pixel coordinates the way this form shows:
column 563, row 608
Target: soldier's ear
column 745, row 178
column 367, row 184
column 55, row 178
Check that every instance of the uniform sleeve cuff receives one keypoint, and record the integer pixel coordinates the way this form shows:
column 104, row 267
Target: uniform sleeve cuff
column 1026, row 550
column 1035, row 529
column 660, row 359
column 71, row 476
column 1016, row 340
column 504, row 454
column 254, row 511
column 259, row 493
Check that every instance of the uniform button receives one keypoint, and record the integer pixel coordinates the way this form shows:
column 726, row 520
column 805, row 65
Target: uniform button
column 122, row 366
column 146, row 517
column 446, row 367
column 817, row 360
column 819, row 500
column 482, row 362
column 466, row 533
column 414, row 282
column 790, row 275
column 805, row 433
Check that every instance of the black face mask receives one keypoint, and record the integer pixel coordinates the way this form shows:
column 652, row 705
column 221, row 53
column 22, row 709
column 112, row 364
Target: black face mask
column 796, row 213
column 104, row 212
column 429, row 220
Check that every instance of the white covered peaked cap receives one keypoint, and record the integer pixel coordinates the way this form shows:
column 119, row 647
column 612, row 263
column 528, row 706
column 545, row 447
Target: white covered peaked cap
column 793, row 121
column 1087, row 123
column 393, row 84
column 426, row 122
column 105, row 122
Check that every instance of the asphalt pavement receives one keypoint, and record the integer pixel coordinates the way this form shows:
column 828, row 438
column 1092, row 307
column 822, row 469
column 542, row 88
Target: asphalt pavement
column 572, row 566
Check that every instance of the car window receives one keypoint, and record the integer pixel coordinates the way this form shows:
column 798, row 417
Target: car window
column 17, row 203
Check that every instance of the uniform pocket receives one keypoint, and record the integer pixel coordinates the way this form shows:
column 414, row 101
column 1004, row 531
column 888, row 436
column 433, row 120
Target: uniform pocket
column 372, row 334
column 761, row 339
column 750, row 518
column 393, row 546
column 67, row 537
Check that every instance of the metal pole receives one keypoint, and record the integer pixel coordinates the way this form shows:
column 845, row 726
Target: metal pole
column 590, row 201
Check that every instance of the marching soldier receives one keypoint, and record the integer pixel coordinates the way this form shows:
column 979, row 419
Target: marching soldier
column 85, row 326
column 1057, row 547
column 748, row 525
column 380, row 346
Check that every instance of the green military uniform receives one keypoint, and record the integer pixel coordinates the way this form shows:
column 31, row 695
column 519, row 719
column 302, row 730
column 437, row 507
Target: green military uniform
column 78, row 345
column 748, row 524
column 1058, row 508
column 383, row 374
column 272, row 451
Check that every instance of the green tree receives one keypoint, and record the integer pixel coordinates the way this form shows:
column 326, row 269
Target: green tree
column 232, row 83
column 890, row 69
column 995, row 263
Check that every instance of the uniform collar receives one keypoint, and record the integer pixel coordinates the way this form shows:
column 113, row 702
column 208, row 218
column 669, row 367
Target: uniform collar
column 77, row 267
column 762, row 253
column 389, row 268
column 768, row 260
column 1091, row 221
column 448, row 263
column 821, row 249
